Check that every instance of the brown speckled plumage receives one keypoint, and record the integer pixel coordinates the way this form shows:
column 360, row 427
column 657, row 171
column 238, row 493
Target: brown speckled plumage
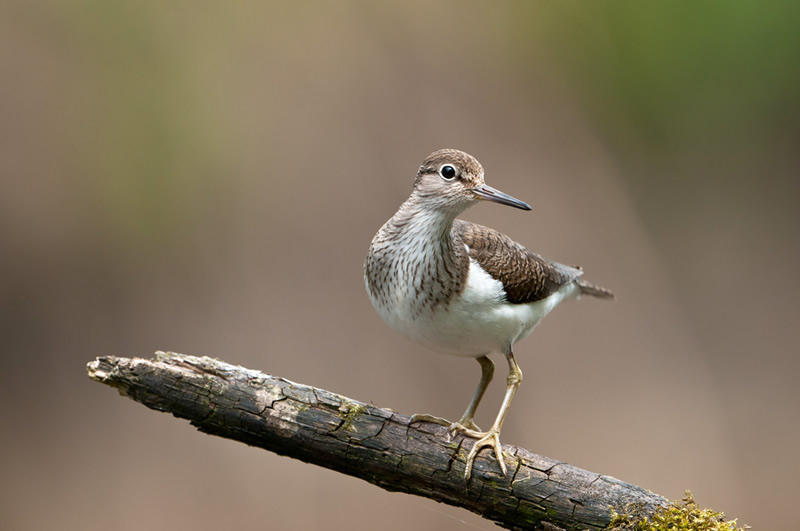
column 423, row 247
column 526, row 276
column 436, row 266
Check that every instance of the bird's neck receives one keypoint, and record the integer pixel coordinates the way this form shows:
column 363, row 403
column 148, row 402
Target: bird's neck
column 419, row 245
column 426, row 230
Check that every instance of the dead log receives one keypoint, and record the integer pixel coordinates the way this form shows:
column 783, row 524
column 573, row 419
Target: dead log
column 371, row 443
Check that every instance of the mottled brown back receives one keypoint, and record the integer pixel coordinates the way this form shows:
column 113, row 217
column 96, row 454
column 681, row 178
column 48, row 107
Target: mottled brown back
column 526, row 276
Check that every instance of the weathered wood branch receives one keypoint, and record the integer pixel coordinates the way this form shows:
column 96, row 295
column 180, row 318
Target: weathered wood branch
column 371, row 443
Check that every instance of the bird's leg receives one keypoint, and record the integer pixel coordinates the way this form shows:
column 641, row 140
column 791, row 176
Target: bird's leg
column 467, row 419
column 467, row 422
column 491, row 438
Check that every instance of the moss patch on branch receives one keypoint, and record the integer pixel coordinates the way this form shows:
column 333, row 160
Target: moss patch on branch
column 682, row 515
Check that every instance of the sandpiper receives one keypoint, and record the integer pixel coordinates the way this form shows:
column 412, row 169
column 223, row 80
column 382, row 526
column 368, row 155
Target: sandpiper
column 461, row 288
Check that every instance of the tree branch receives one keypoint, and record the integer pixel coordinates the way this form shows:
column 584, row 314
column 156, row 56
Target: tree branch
column 371, row 443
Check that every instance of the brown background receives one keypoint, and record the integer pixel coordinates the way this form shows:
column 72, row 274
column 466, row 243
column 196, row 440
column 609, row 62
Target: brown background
column 207, row 178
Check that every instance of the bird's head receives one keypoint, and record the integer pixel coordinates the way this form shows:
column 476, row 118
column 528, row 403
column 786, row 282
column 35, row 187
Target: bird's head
column 452, row 180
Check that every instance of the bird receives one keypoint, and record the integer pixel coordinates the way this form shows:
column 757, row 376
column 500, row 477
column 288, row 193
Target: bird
column 460, row 288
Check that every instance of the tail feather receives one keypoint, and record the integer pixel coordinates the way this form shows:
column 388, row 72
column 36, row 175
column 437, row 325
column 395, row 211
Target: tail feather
column 593, row 290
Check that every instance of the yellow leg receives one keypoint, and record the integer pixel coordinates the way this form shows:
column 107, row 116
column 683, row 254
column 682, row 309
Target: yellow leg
column 491, row 438
column 467, row 422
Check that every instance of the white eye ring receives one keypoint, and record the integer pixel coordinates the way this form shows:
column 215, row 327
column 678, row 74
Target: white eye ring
column 448, row 172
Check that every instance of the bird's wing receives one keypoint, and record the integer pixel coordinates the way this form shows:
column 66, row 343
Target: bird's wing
column 526, row 276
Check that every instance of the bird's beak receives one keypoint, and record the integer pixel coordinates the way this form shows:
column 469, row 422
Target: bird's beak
column 487, row 193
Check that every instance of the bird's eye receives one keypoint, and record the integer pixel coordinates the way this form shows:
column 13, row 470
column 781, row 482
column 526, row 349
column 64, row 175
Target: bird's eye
column 447, row 172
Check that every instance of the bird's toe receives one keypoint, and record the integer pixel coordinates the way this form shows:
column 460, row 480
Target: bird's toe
column 489, row 439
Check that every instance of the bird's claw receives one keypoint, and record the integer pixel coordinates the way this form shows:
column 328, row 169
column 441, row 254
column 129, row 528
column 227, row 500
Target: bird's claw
column 465, row 426
column 489, row 439
column 423, row 417
column 468, row 428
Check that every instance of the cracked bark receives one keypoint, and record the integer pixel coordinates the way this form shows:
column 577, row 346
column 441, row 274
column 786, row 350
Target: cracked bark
column 374, row 444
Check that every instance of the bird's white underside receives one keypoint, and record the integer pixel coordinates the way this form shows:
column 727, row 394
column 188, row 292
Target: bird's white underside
column 478, row 321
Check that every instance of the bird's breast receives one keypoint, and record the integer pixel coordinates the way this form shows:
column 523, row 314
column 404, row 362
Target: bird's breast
column 473, row 321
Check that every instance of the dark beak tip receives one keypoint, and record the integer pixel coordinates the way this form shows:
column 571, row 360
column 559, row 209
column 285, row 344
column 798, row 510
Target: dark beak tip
column 488, row 193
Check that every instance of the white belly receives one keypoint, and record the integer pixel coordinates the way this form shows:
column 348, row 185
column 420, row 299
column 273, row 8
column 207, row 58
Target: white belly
column 478, row 322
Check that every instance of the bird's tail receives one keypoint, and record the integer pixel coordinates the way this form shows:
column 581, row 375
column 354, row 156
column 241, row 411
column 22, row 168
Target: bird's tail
column 594, row 291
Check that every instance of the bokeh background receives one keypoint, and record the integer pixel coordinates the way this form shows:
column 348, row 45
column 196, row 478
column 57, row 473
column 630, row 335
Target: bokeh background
column 206, row 178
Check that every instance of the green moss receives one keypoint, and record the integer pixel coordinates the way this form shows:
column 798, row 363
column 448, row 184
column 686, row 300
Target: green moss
column 349, row 411
column 683, row 515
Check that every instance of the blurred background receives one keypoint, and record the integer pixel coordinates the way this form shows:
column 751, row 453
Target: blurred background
column 206, row 178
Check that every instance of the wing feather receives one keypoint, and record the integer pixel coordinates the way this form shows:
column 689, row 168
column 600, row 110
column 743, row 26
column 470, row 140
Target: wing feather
column 526, row 276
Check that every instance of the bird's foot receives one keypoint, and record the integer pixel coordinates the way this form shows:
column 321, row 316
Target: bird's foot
column 462, row 426
column 487, row 439
column 423, row 417
column 467, row 427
